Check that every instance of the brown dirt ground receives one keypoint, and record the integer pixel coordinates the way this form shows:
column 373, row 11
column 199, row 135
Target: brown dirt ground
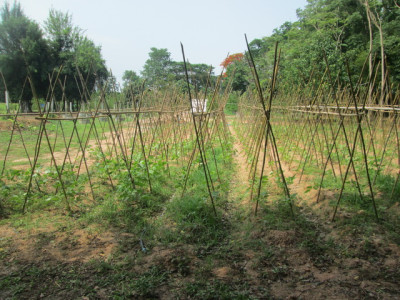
column 240, row 180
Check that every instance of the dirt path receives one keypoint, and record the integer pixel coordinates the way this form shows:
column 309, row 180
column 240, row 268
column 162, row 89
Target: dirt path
column 240, row 182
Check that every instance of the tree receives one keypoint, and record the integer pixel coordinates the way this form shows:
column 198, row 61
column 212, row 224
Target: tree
column 23, row 53
column 335, row 28
column 391, row 29
column 89, row 62
column 236, row 72
column 130, row 80
column 231, row 59
column 78, row 58
column 199, row 74
column 61, row 34
column 160, row 71
column 157, row 68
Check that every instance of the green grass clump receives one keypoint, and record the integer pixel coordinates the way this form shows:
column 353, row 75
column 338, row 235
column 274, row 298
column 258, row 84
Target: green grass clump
column 195, row 219
column 216, row 289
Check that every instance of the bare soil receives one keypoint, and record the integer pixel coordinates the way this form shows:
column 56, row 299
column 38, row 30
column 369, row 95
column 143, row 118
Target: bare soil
column 240, row 181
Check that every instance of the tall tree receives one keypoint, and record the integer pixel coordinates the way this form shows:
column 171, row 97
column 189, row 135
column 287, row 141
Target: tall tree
column 237, row 71
column 335, row 28
column 23, row 53
column 61, row 34
column 199, row 74
column 391, row 29
column 77, row 56
column 157, row 68
column 130, row 80
column 89, row 61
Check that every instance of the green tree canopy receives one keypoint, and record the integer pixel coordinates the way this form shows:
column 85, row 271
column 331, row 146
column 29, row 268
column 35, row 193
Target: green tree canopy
column 81, row 60
column 157, row 68
column 61, row 35
column 160, row 71
column 198, row 75
column 236, row 72
column 23, row 53
column 338, row 29
column 130, row 80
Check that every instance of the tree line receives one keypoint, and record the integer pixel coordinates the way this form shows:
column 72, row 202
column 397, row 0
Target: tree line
column 33, row 58
column 59, row 59
column 360, row 33
column 160, row 71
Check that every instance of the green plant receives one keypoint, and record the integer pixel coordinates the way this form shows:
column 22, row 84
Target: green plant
column 216, row 289
column 145, row 285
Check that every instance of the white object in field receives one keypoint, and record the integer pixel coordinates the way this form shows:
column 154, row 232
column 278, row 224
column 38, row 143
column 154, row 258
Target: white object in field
column 70, row 106
column 199, row 105
column 52, row 104
column 7, row 101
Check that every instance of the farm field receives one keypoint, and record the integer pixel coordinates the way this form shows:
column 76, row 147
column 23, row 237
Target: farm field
column 293, row 196
column 269, row 172
column 105, row 239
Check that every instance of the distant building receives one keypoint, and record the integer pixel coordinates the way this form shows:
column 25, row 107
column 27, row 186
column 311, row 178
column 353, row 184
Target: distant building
column 199, row 105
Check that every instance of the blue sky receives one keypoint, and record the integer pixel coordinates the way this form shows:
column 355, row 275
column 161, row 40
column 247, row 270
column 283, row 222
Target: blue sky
column 208, row 29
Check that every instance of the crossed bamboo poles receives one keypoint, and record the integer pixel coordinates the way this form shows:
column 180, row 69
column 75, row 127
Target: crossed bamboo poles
column 156, row 129
column 260, row 134
column 202, row 122
column 331, row 116
column 335, row 123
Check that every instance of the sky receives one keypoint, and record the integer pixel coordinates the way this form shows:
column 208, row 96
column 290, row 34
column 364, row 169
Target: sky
column 208, row 29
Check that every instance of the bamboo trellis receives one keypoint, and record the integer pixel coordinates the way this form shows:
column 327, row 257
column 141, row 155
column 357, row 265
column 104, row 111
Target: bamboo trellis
column 152, row 125
column 325, row 128
column 320, row 131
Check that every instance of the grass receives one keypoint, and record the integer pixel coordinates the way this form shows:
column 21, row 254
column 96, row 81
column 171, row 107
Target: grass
column 28, row 135
column 3, row 107
column 98, row 278
column 217, row 289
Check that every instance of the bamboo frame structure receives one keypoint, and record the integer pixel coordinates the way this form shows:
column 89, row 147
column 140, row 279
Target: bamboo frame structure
column 325, row 129
column 149, row 127
column 322, row 131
